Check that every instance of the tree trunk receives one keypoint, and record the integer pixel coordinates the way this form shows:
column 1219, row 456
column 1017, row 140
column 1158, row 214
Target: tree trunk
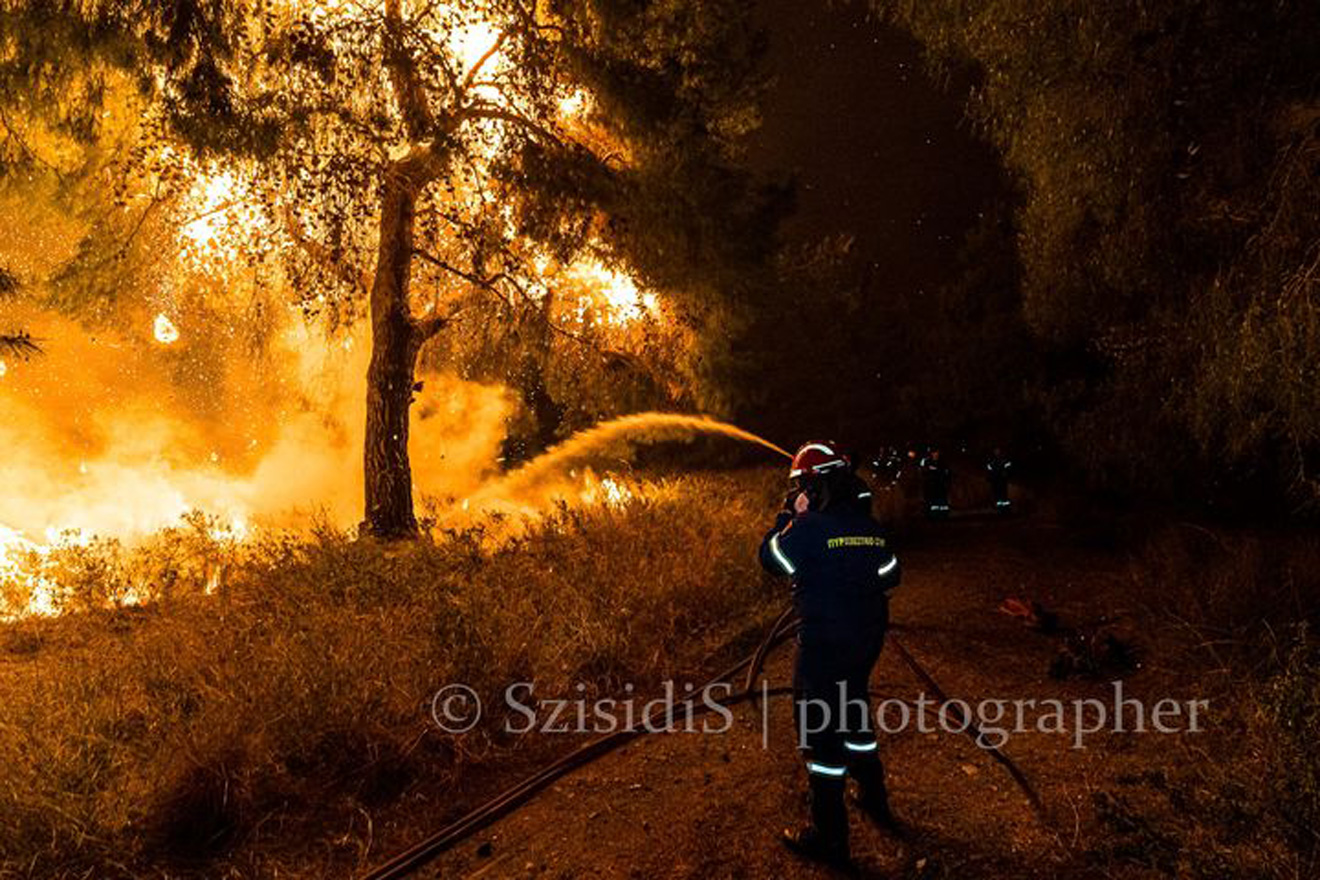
column 547, row 412
column 395, row 341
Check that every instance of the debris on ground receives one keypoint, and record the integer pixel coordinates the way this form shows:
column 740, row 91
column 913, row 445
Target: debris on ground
column 1093, row 652
column 1032, row 614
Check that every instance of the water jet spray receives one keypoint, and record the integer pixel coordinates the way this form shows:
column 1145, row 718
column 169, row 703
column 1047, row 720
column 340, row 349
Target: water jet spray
column 647, row 427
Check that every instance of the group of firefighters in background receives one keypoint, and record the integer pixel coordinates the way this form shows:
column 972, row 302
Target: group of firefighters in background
column 937, row 477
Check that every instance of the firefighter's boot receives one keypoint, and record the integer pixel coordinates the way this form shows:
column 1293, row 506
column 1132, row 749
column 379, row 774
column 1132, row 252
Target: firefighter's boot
column 825, row 840
column 872, row 795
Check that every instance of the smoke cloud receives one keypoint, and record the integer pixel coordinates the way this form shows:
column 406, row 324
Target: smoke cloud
column 118, row 434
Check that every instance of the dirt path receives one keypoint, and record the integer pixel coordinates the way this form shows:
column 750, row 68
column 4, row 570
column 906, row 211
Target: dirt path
column 688, row 805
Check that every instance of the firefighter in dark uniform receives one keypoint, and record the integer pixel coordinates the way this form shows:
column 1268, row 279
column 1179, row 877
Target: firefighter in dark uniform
column 842, row 569
column 998, row 470
column 935, row 481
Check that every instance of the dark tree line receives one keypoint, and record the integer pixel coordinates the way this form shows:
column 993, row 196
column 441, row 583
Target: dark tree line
column 1167, row 157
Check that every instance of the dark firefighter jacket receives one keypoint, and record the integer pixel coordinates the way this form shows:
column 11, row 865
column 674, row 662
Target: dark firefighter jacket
column 998, row 470
column 842, row 568
column 935, row 477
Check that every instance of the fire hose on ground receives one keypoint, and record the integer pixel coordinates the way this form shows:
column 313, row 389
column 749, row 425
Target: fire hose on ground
column 409, row 860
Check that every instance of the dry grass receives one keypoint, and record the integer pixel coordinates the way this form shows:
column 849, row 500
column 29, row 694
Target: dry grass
column 152, row 740
column 1245, row 605
column 198, row 734
column 1236, row 593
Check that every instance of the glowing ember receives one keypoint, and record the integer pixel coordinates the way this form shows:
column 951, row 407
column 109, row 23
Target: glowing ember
column 574, row 105
column 3, row 369
column 165, row 331
column 609, row 491
column 235, row 530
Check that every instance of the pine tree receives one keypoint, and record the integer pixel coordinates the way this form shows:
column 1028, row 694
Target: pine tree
column 418, row 162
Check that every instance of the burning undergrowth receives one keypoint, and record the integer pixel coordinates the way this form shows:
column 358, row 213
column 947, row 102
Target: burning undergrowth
column 117, row 444
column 304, row 678
column 179, row 429
column 194, row 646
column 137, row 469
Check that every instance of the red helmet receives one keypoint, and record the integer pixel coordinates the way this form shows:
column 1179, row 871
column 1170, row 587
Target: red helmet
column 816, row 457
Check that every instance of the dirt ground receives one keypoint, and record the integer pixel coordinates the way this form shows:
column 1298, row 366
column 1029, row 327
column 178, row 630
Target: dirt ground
column 712, row 806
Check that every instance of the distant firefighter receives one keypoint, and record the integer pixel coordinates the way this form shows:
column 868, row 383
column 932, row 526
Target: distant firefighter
column 999, row 470
column 936, row 479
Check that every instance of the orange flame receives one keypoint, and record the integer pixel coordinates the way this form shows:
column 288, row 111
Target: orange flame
column 164, row 330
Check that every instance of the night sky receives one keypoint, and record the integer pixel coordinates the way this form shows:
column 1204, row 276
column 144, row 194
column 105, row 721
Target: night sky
column 877, row 149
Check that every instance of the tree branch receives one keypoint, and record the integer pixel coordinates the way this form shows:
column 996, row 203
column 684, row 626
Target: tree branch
column 490, row 111
column 487, row 284
column 9, row 284
column 529, row 19
column 362, row 127
column 356, row 279
column 224, row 206
column 20, row 345
column 425, row 328
column 10, row 132
column 156, row 199
column 481, row 62
column 408, row 90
